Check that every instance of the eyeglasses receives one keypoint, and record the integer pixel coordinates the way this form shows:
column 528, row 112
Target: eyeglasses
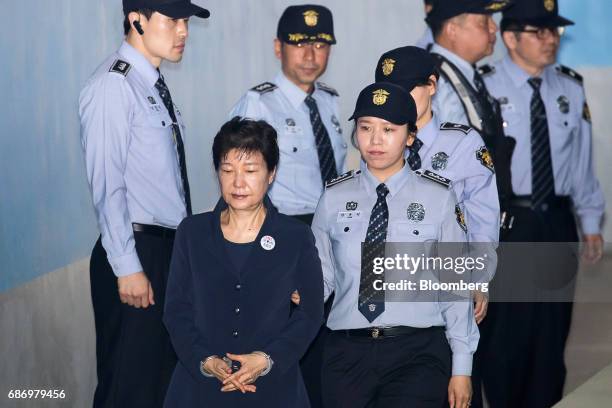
column 542, row 32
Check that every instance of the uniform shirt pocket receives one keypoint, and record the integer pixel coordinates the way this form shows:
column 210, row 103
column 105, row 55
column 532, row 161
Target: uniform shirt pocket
column 413, row 232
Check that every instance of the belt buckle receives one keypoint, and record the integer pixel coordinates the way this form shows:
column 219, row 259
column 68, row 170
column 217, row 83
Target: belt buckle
column 375, row 333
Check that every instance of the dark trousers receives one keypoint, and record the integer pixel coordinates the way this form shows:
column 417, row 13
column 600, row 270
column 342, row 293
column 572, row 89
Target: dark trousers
column 522, row 344
column 399, row 372
column 135, row 358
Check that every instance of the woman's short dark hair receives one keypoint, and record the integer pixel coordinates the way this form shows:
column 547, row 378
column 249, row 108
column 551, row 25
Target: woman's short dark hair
column 126, row 21
column 247, row 136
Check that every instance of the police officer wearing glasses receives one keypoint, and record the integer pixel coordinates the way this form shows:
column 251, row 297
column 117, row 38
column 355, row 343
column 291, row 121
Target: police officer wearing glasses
column 546, row 111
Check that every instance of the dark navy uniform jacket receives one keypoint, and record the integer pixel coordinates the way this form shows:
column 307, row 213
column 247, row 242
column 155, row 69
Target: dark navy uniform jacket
column 211, row 308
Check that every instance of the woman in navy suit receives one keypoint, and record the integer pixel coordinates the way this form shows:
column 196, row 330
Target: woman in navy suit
column 228, row 309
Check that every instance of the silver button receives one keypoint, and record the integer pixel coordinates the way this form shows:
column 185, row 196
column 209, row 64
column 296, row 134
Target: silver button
column 237, row 310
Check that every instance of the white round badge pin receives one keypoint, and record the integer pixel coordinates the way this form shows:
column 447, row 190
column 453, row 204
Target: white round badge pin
column 267, row 243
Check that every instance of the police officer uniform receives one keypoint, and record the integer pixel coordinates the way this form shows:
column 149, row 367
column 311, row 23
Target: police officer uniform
column 455, row 151
column 135, row 162
column 298, row 183
column 378, row 352
column 462, row 97
column 535, row 379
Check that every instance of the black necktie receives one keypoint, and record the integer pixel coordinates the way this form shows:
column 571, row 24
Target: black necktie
column 542, row 178
column 327, row 162
column 483, row 92
column 414, row 160
column 164, row 94
column 372, row 302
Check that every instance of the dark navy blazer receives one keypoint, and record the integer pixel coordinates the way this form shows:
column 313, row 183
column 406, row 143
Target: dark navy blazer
column 212, row 308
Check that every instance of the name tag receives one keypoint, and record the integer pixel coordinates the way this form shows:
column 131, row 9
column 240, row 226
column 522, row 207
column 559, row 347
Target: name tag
column 295, row 130
column 348, row 216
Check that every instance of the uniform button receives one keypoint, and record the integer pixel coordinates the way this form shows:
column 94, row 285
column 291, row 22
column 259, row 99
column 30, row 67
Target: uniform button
column 544, row 207
column 415, row 232
column 294, row 149
column 238, row 286
column 163, row 123
column 237, row 310
column 235, row 333
column 346, row 229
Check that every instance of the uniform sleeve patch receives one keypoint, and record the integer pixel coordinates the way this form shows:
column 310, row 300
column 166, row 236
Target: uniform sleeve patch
column 586, row 112
column 568, row 72
column 484, row 157
column 342, row 178
column 264, row 88
column 460, row 218
column 327, row 88
column 436, row 178
column 486, row 70
column 121, row 67
column 455, row 126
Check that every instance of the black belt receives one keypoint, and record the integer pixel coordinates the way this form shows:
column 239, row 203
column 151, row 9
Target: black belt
column 557, row 202
column 385, row 332
column 156, row 230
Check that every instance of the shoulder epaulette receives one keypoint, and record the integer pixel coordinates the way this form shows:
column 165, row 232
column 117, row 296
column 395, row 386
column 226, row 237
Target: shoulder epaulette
column 328, row 89
column 562, row 69
column 344, row 177
column 455, row 126
column 264, row 88
column 436, row 178
column 486, row 70
column 120, row 67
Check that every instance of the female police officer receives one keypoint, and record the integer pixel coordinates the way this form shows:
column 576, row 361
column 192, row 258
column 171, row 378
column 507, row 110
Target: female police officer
column 382, row 353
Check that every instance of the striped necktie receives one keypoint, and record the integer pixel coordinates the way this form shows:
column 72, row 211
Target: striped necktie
column 327, row 161
column 372, row 302
column 542, row 178
column 414, row 160
column 164, row 94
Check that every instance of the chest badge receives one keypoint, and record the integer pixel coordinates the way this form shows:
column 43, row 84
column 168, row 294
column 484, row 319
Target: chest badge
column 351, row 206
column 290, row 122
column 439, row 161
column 151, row 100
column 416, row 212
column 564, row 104
column 267, row 242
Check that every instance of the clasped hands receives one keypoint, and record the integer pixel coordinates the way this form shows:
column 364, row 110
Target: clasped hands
column 252, row 366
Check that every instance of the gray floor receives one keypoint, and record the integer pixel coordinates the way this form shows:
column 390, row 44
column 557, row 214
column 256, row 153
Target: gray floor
column 589, row 348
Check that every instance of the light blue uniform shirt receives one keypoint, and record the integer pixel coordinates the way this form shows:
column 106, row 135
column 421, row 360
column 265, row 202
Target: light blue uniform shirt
column 457, row 154
column 297, row 186
column 338, row 241
column 446, row 103
column 130, row 154
column 570, row 135
column 426, row 39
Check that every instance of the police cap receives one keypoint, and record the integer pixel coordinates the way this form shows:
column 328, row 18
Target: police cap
column 386, row 101
column 539, row 13
column 406, row 66
column 446, row 9
column 170, row 8
column 306, row 23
